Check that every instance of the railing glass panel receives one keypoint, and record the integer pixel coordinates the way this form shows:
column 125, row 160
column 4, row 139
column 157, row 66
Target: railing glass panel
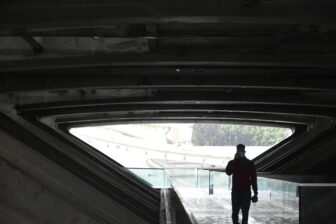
column 278, row 199
column 156, row 178
column 206, row 195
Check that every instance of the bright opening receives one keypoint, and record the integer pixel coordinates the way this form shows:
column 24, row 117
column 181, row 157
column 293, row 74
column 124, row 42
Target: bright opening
column 179, row 145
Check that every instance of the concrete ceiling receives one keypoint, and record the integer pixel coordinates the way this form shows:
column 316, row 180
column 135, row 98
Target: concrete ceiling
column 66, row 64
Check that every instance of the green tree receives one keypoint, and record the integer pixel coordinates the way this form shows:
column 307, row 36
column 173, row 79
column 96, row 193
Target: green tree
column 208, row 134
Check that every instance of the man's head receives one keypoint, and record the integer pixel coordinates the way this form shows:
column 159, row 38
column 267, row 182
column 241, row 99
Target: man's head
column 241, row 150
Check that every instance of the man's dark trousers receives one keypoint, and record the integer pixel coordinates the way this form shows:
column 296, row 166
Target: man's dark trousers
column 240, row 200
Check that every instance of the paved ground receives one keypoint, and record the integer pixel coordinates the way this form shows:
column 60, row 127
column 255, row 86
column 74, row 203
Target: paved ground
column 216, row 209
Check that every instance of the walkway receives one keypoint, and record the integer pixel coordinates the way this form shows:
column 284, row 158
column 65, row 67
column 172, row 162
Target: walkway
column 272, row 208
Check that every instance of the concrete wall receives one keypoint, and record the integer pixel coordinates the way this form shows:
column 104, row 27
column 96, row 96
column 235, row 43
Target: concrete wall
column 317, row 203
column 24, row 200
column 35, row 190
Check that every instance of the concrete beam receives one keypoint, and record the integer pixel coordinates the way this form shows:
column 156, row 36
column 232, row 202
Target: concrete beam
column 190, row 59
column 34, row 43
column 15, row 14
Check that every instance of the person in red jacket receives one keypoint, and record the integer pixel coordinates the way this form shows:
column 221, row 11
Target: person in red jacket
column 244, row 176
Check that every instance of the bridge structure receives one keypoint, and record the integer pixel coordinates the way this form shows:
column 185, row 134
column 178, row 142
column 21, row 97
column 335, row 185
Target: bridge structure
column 65, row 64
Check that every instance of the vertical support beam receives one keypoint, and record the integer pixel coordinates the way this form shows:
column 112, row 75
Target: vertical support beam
column 167, row 212
column 152, row 37
column 37, row 47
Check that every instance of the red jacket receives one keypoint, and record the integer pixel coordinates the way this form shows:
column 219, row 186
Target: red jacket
column 244, row 175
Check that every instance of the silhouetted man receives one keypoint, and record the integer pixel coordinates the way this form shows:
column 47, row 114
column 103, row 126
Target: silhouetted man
column 244, row 175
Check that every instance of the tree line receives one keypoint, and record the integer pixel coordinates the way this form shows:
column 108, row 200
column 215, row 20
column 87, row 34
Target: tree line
column 206, row 134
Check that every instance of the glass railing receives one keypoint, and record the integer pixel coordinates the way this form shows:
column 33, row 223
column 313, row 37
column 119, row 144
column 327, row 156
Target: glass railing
column 186, row 177
column 206, row 194
column 156, row 178
column 278, row 199
column 219, row 183
column 203, row 179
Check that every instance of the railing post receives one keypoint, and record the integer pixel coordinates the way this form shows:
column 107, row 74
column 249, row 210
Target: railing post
column 211, row 183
